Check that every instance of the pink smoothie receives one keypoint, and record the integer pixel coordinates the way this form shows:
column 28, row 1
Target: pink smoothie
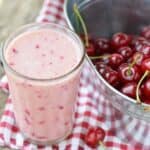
column 43, row 109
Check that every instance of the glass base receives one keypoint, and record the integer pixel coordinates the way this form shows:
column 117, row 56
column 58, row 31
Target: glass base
column 46, row 143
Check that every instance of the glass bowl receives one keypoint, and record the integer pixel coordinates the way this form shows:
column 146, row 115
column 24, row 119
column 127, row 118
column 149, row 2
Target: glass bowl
column 104, row 18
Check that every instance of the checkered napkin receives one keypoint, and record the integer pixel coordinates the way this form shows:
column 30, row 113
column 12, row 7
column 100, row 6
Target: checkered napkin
column 122, row 132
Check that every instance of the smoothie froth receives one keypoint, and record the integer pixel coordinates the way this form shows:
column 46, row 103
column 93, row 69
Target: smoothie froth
column 43, row 54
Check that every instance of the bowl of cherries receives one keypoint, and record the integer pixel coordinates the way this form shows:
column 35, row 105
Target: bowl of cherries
column 116, row 35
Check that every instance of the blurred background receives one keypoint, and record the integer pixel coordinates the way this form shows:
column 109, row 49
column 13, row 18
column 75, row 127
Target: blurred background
column 14, row 13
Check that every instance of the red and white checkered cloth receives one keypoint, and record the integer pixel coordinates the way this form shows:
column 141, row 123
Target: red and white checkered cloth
column 122, row 131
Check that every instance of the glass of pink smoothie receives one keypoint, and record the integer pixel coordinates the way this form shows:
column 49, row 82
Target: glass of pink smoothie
column 43, row 64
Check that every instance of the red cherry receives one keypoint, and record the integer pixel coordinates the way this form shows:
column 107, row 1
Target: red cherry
column 94, row 136
column 138, row 57
column 136, row 41
column 94, row 61
column 102, row 58
column 105, row 59
column 100, row 133
column 120, row 39
column 100, row 65
column 102, row 46
column 146, row 89
column 115, row 60
column 125, row 51
column 102, row 71
column 112, row 77
column 129, row 89
column 91, row 138
column 91, row 49
column 144, row 48
column 140, row 44
column 146, row 100
column 138, row 47
column 129, row 74
column 90, row 39
column 145, row 66
column 102, row 68
column 146, row 32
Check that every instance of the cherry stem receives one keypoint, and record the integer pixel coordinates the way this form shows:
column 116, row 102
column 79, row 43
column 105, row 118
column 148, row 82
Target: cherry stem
column 139, row 84
column 99, row 57
column 77, row 22
column 102, row 145
column 77, row 13
column 132, row 64
column 146, row 108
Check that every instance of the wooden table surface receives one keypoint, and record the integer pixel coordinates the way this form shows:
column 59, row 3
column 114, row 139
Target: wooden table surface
column 14, row 13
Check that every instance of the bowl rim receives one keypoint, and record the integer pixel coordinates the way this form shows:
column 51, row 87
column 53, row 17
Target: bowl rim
column 131, row 100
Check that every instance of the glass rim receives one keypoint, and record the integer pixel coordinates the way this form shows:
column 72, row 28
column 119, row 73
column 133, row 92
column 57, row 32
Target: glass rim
column 48, row 25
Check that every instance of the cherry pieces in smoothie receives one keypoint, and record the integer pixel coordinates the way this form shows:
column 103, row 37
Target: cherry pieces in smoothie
column 44, row 107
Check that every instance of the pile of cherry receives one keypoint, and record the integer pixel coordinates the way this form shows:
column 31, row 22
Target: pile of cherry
column 123, row 60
